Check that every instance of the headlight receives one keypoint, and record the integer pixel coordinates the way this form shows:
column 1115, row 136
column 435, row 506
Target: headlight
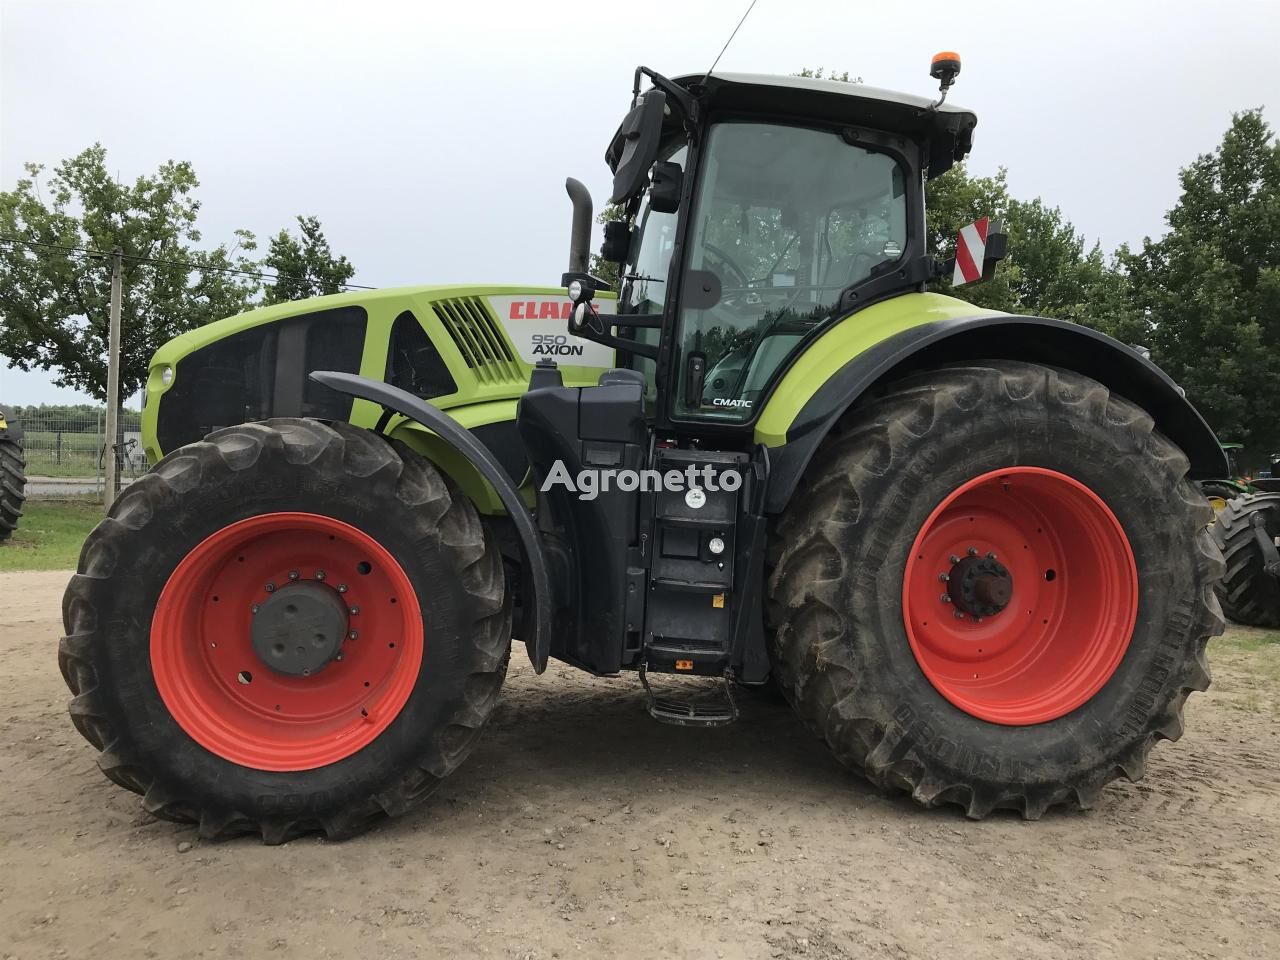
column 166, row 375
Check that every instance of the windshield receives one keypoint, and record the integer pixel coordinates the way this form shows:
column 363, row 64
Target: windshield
column 786, row 218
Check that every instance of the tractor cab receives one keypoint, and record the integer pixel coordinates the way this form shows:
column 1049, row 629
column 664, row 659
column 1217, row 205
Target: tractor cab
column 792, row 201
column 757, row 212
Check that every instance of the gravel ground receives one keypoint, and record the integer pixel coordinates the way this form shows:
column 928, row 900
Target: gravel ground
column 580, row 827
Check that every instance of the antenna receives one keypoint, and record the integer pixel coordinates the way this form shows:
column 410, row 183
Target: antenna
column 730, row 40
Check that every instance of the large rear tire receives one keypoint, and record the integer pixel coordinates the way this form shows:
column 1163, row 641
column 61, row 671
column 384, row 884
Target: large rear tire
column 1248, row 593
column 13, row 477
column 181, row 686
column 1000, row 474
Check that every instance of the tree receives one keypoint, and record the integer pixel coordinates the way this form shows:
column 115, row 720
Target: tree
column 600, row 267
column 57, row 231
column 1207, row 294
column 54, row 300
column 305, row 266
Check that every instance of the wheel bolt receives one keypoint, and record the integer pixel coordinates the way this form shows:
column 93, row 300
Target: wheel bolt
column 944, row 577
column 959, row 615
column 353, row 635
column 270, row 588
column 354, row 611
column 973, row 551
column 338, row 657
column 991, row 555
column 945, row 598
column 319, row 574
column 293, row 574
column 954, row 559
column 254, row 608
column 342, row 588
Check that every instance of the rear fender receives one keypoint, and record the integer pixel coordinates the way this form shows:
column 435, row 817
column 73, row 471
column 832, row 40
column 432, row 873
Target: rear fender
column 1054, row 343
column 466, row 446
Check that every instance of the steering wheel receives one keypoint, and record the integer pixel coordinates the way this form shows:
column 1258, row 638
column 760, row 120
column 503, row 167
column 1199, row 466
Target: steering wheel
column 730, row 266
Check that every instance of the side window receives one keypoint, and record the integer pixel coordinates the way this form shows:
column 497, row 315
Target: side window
column 413, row 362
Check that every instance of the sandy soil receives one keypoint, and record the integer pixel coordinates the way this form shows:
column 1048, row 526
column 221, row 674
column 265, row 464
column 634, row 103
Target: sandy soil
column 580, row 827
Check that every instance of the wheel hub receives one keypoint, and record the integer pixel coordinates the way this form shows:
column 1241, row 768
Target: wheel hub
column 980, row 586
column 299, row 629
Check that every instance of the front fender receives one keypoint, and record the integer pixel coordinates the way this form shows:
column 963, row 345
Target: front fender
column 394, row 400
column 988, row 336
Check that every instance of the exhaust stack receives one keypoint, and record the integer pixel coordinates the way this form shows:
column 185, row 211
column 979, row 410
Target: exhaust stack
column 580, row 234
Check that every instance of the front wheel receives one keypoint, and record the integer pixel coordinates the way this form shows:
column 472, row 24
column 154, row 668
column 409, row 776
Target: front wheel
column 994, row 589
column 289, row 626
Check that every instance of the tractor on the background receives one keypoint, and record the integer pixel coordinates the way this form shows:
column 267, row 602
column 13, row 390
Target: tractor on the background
column 1233, row 484
column 13, row 476
column 967, row 546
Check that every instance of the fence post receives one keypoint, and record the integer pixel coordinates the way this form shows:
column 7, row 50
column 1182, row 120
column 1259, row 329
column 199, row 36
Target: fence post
column 113, row 386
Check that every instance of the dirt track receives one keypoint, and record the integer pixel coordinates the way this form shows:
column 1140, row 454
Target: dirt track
column 580, row 827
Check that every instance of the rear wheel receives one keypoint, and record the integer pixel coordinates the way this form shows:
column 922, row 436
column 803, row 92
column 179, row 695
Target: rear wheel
column 287, row 627
column 1248, row 593
column 13, row 478
column 994, row 589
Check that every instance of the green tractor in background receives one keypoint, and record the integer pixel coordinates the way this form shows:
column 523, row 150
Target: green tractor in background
column 1240, row 484
column 967, row 546
column 13, row 477
column 1247, row 530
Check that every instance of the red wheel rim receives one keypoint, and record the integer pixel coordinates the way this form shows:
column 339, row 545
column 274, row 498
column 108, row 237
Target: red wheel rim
column 1070, row 611
column 220, row 692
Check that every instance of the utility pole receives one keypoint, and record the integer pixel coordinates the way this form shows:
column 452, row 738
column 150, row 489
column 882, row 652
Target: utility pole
column 113, row 386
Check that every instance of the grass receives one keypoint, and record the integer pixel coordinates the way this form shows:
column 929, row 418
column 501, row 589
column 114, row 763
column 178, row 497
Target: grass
column 49, row 535
column 75, row 456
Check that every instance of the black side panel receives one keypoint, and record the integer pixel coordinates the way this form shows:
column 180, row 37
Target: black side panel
column 503, row 440
column 592, row 543
column 262, row 372
column 1054, row 343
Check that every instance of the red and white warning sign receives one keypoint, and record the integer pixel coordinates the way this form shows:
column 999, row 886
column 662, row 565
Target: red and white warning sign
column 971, row 250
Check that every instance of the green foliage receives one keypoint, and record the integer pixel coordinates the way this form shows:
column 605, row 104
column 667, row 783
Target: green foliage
column 821, row 74
column 305, row 266
column 71, row 417
column 601, row 267
column 1206, row 295
column 55, row 302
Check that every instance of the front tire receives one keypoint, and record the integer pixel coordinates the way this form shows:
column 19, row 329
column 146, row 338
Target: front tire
column 184, row 691
column 1025, row 465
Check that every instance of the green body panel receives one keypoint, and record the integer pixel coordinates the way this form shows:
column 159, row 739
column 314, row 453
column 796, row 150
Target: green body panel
column 842, row 342
column 487, row 392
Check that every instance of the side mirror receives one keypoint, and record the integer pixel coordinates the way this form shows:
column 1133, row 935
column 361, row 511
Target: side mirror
column 635, row 146
column 617, row 242
column 664, row 194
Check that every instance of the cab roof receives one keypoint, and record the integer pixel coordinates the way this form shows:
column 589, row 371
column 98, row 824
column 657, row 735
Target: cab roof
column 947, row 130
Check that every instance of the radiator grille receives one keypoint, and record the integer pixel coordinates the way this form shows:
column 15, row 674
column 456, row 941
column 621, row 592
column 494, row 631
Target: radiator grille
column 476, row 334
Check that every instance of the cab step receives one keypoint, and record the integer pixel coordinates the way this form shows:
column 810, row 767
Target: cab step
column 706, row 707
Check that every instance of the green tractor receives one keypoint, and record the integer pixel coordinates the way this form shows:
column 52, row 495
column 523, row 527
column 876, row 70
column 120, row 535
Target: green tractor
column 1247, row 530
column 13, row 477
column 968, row 547
column 1220, row 490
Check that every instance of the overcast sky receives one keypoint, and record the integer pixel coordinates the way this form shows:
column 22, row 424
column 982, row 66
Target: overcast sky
column 433, row 139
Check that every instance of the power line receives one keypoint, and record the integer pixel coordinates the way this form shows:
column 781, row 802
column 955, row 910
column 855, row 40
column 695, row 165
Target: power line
column 89, row 251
